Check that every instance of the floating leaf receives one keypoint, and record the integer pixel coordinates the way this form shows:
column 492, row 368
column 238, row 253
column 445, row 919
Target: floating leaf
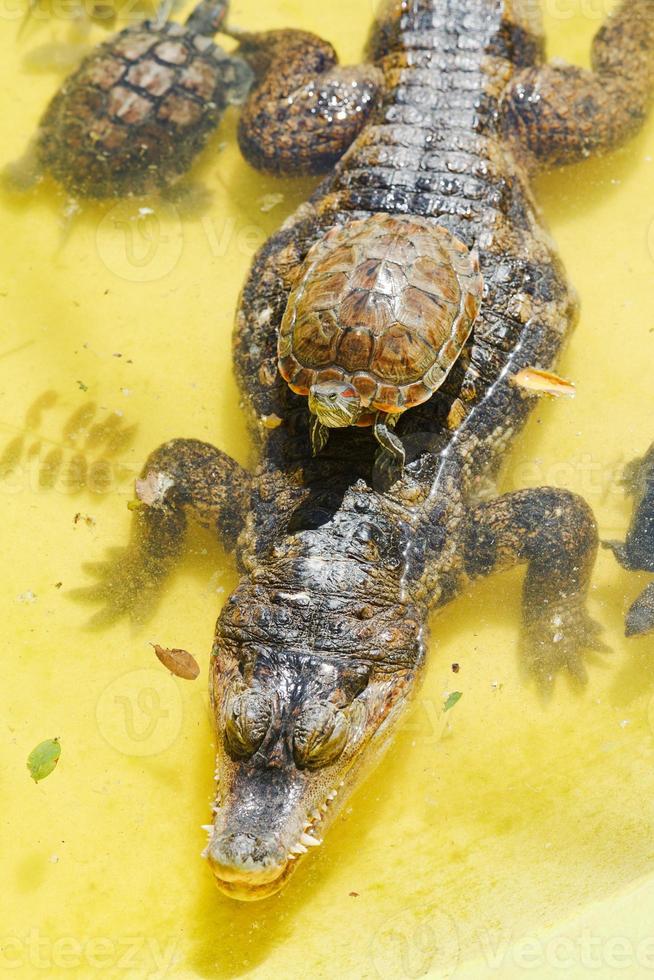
column 544, row 383
column 451, row 700
column 179, row 662
column 43, row 759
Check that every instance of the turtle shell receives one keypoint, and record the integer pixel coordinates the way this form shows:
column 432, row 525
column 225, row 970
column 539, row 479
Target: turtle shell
column 384, row 304
column 139, row 108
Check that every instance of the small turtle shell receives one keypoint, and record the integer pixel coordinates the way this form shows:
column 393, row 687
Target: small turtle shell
column 136, row 112
column 385, row 304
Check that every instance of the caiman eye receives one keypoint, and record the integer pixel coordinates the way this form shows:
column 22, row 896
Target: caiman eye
column 247, row 720
column 353, row 682
column 319, row 735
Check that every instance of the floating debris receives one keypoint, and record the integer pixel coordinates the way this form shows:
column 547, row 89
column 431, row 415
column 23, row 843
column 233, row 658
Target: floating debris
column 544, row 383
column 270, row 201
column 27, row 596
column 42, row 760
column 179, row 662
column 82, row 386
column 451, row 700
column 271, row 421
column 84, row 519
column 456, row 668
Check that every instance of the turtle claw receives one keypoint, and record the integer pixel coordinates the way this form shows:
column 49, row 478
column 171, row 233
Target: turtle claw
column 554, row 643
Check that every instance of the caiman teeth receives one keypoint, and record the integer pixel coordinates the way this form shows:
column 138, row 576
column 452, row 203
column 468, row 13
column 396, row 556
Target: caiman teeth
column 307, row 838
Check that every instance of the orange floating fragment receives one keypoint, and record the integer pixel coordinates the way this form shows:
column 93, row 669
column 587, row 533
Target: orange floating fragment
column 544, row 383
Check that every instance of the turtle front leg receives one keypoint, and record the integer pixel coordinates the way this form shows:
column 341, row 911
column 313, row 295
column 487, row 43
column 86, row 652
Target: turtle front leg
column 304, row 110
column 319, row 435
column 182, row 478
column 389, row 464
column 554, row 532
column 562, row 114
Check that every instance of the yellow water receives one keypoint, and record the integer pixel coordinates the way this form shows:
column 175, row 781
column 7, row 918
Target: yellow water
column 510, row 840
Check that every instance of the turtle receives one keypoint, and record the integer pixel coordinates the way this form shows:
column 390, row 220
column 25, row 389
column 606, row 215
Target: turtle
column 377, row 314
column 140, row 107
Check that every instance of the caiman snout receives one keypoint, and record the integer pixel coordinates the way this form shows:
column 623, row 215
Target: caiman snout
column 246, row 849
column 246, row 866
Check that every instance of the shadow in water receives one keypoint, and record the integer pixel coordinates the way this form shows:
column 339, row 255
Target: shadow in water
column 84, row 455
column 130, row 585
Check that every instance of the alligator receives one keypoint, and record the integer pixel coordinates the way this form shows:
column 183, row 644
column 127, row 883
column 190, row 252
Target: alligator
column 323, row 643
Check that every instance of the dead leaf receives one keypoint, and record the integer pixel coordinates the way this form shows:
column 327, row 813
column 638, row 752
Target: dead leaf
column 179, row 662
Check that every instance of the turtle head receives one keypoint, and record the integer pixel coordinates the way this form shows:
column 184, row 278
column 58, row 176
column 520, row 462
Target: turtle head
column 335, row 404
column 208, row 17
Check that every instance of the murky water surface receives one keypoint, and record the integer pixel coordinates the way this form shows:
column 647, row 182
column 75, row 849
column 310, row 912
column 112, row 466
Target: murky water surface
column 512, row 818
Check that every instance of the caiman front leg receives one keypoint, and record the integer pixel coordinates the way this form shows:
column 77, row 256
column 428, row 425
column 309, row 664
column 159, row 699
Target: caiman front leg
column 554, row 532
column 562, row 114
column 183, row 478
column 304, row 110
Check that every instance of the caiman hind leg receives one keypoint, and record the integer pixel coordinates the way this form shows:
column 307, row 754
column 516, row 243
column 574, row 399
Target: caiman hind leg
column 636, row 553
column 554, row 532
column 562, row 114
column 182, row 478
column 305, row 110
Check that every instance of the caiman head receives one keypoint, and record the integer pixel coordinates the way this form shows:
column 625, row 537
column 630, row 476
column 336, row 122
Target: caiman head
column 299, row 722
